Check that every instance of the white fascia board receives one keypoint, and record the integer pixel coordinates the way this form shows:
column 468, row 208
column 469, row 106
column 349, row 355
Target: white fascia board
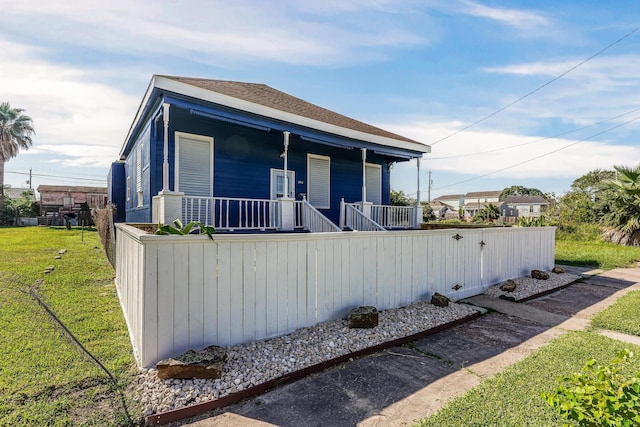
column 239, row 104
column 138, row 117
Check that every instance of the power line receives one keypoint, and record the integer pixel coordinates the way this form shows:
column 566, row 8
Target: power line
column 540, row 156
column 535, row 140
column 499, row 110
column 75, row 178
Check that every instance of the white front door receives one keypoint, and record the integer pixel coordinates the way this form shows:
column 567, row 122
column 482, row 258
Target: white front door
column 277, row 184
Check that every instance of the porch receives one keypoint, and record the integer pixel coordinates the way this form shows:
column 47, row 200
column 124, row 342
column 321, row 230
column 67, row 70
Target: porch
column 283, row 214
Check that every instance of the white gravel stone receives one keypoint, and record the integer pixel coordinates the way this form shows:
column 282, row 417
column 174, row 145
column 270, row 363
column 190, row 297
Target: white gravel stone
column 254, row 363
column 526, row 286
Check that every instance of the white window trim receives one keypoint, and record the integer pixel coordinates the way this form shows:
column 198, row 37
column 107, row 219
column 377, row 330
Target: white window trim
column 272, row 176
column 203, row 138
column 377, row 166
column 318, row 156
column 128, row 188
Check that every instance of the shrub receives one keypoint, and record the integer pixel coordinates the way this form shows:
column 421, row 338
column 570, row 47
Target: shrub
column 194, row 227
column 103, row 219
column 599, row 395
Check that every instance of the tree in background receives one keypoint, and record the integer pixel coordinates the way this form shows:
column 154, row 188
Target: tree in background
column 24, row 206
column 519, row 190
column 589, row 199
column 16, row 130
column 398, row 198
column 623, row 219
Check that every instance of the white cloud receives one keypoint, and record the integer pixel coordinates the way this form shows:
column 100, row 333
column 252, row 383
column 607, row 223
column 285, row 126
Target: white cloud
column 599, row 89
column 526, row 161
column 206, row 31
column 73, row 114
column 516, row 18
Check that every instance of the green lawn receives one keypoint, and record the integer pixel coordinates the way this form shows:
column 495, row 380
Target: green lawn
column 603, row 255
column 44, row 378
column 512, row 398
column 581, row 245
column 622, row 316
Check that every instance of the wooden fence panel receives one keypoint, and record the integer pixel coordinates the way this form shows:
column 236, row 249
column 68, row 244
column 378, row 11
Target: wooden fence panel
column 188, row 292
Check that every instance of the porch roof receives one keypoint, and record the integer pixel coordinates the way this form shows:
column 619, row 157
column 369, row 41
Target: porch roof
column 264, row 101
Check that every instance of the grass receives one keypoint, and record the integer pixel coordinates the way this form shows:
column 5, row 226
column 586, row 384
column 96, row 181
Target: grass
column 622, row 316
column 44, row 378
column 581, row 245
column 512, row 398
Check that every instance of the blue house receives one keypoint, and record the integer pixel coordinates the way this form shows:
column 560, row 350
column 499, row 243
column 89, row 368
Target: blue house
column 246, row 156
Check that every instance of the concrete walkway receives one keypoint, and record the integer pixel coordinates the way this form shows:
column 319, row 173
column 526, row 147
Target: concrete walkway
column 398, row 386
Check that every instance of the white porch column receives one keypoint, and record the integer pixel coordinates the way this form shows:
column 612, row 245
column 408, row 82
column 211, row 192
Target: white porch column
column 419, row 209
column 364, row 175
column 365, row 207
column 165, row 161
column 286, row 163
column 286, row 204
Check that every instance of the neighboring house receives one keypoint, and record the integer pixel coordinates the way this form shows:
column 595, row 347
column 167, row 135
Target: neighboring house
column 58, row 201
column 455, row 201
column 225, row 152
column 475, row 201
column 17, row 193
column 443, row 211
column 523, row 206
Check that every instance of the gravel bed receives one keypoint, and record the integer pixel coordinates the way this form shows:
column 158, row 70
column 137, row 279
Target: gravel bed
column 260, row 361
column 526, row 286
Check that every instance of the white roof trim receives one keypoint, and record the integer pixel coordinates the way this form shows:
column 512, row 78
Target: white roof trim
column 229, row 101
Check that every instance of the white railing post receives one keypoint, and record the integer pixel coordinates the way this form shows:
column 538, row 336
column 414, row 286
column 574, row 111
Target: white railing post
column 169, row 207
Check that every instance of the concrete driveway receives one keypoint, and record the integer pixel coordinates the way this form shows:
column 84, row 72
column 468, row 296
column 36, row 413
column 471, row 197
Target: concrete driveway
column 397, row 386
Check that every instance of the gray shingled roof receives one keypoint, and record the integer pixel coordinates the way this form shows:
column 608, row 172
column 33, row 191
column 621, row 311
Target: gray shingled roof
column 525, row 199
column 267, row 96
column 484, row 194
column 449, row 197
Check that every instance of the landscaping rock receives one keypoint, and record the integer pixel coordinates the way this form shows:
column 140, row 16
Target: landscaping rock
column 363, row 317
column 48, row 269
column 57, row 257
column 539, row 274
column 206, row 363
column 557, row 270
column 439, row 300
column 62, row 251
column 508, row 286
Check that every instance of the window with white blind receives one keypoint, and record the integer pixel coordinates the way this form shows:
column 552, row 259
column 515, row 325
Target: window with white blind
column 194, row 156
column 318, row 181
column 128, row 188
column 373, row 181
column 139, row 175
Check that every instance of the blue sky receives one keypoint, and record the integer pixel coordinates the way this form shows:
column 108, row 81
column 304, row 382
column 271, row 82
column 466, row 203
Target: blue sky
column 424, row 69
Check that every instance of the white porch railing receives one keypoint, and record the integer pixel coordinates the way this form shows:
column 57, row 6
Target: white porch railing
column 229, row 213
column 352, row 217
column 309, row 218
column 394, row 216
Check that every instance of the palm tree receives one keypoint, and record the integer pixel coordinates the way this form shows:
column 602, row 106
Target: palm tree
column 16, row 130
column 623, row 221
column 488, row 213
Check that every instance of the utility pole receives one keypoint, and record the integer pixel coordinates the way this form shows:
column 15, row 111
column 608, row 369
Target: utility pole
column 30, row 178
column 429, row 191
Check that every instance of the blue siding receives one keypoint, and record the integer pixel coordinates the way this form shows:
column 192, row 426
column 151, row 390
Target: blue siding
column 135, row 213
column 243, row 159
column 116, row 182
